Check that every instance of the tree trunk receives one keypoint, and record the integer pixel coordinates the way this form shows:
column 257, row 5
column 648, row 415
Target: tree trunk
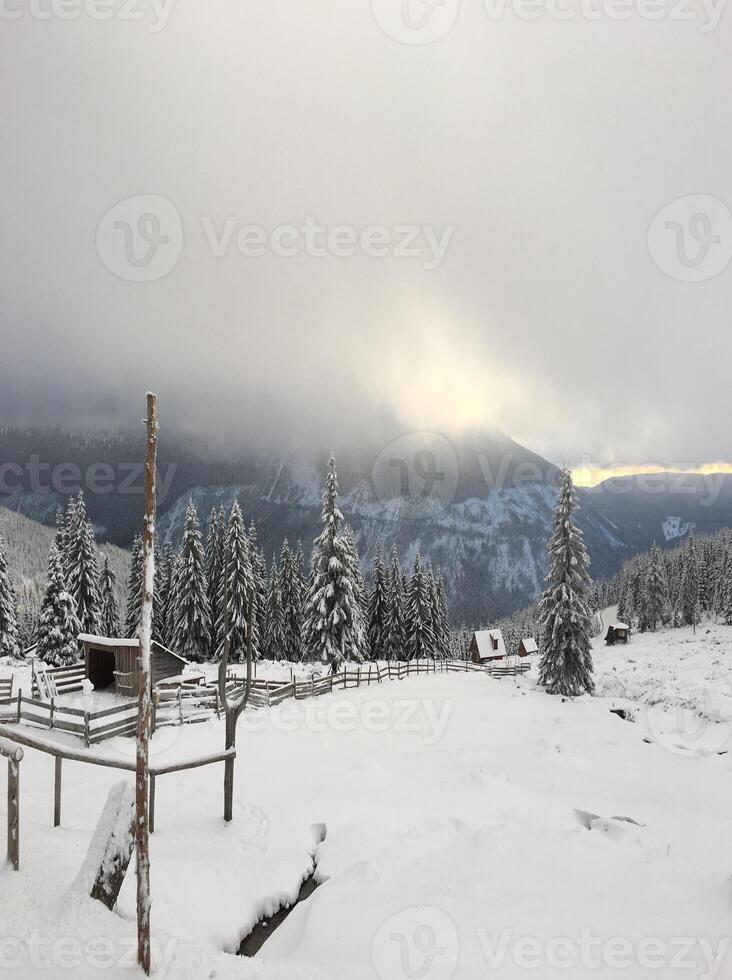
column 142, row 836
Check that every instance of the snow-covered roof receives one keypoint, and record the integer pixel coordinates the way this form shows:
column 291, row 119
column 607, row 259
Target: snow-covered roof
column 530, row 644
column 620, row 626
column 486, row 646
column 108, row 641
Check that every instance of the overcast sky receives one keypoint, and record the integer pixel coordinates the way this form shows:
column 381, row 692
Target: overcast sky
column 518, row 163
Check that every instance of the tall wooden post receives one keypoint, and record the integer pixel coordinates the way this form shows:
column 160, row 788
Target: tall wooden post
column 142, row 835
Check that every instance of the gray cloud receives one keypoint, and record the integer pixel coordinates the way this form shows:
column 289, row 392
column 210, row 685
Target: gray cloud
column 547, row 147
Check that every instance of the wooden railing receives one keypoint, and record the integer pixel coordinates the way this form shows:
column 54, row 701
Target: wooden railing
column 92, row 726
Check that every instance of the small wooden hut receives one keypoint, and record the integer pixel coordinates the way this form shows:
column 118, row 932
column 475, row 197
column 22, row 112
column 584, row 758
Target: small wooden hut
column 527, row 647
column 487, row 645
column 617, row 633
column 110, row 663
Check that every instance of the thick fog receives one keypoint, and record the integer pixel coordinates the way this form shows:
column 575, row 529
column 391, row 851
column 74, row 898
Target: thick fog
column 299, row 225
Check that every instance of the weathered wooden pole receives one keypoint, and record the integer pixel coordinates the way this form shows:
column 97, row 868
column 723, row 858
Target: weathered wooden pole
column 14, row 755
column 57, row 762
column 142, row 829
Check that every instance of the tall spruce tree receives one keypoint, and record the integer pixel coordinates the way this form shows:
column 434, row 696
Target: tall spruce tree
column 9, row 635
column 237, row 585
column 190, row 635
column 273, row 636
column 162, row 607
column 259, row 580
column 334, row 630
column 378, row 609
column 133, row 609
column 565, row 616
column 291, row 600
column 215, row 544
column 82, row 568
column 690, row 591
column 396, row 635
column 420, row 636
column 656, row 592
column 440, row 618
column 58, row 625
column 108, row 616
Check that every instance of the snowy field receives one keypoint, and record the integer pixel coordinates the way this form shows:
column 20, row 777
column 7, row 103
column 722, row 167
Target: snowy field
column 475, row 828
column 679, row 681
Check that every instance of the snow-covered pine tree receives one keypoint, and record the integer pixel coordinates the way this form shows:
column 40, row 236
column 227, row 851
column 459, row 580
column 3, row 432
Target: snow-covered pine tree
column 378, row 609
column 190, row 636
column 291, row 599
column 237, row 585
column 273, row 637
column 133, row 609
column 333, row 623
column 727, row 602
column 82, row 568
column 215, row 544
column 9, row 635
column 656, row 592
column 108, row 615
column 359, row 583
column 163, row 594
column 690, row 595
column 420, row 637
column 259, row 578
column 441, row 619
column 566, row 662
column 60, row 539
column 396, row 638
column 58, row 625
column 66, row 534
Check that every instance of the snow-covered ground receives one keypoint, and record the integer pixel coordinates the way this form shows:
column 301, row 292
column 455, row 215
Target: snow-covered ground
column 679, row 680
column 475, row 828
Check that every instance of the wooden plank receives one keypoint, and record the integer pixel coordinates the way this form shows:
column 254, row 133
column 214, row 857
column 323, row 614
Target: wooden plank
column 117, row 709
column 203, row 760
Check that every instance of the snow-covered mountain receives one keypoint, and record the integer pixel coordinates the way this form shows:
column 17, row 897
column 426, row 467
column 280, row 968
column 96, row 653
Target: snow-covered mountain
column 479, row 507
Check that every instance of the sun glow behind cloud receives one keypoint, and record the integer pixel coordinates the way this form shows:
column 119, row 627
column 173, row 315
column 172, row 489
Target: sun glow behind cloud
column 587, row 475
column 435, row 381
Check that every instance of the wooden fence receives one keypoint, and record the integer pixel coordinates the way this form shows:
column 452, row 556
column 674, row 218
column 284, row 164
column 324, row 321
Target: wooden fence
column 92, row 726
column 191, row 703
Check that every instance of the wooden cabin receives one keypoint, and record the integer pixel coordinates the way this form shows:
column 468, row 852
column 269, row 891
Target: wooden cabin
column 110, row 663
column 487, row 645
column 617, row 633
column 527, row 647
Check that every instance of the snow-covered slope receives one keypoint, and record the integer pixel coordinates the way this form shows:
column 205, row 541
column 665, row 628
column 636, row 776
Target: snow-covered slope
column 27, row 545
column 680, row 683
column 474, row 826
